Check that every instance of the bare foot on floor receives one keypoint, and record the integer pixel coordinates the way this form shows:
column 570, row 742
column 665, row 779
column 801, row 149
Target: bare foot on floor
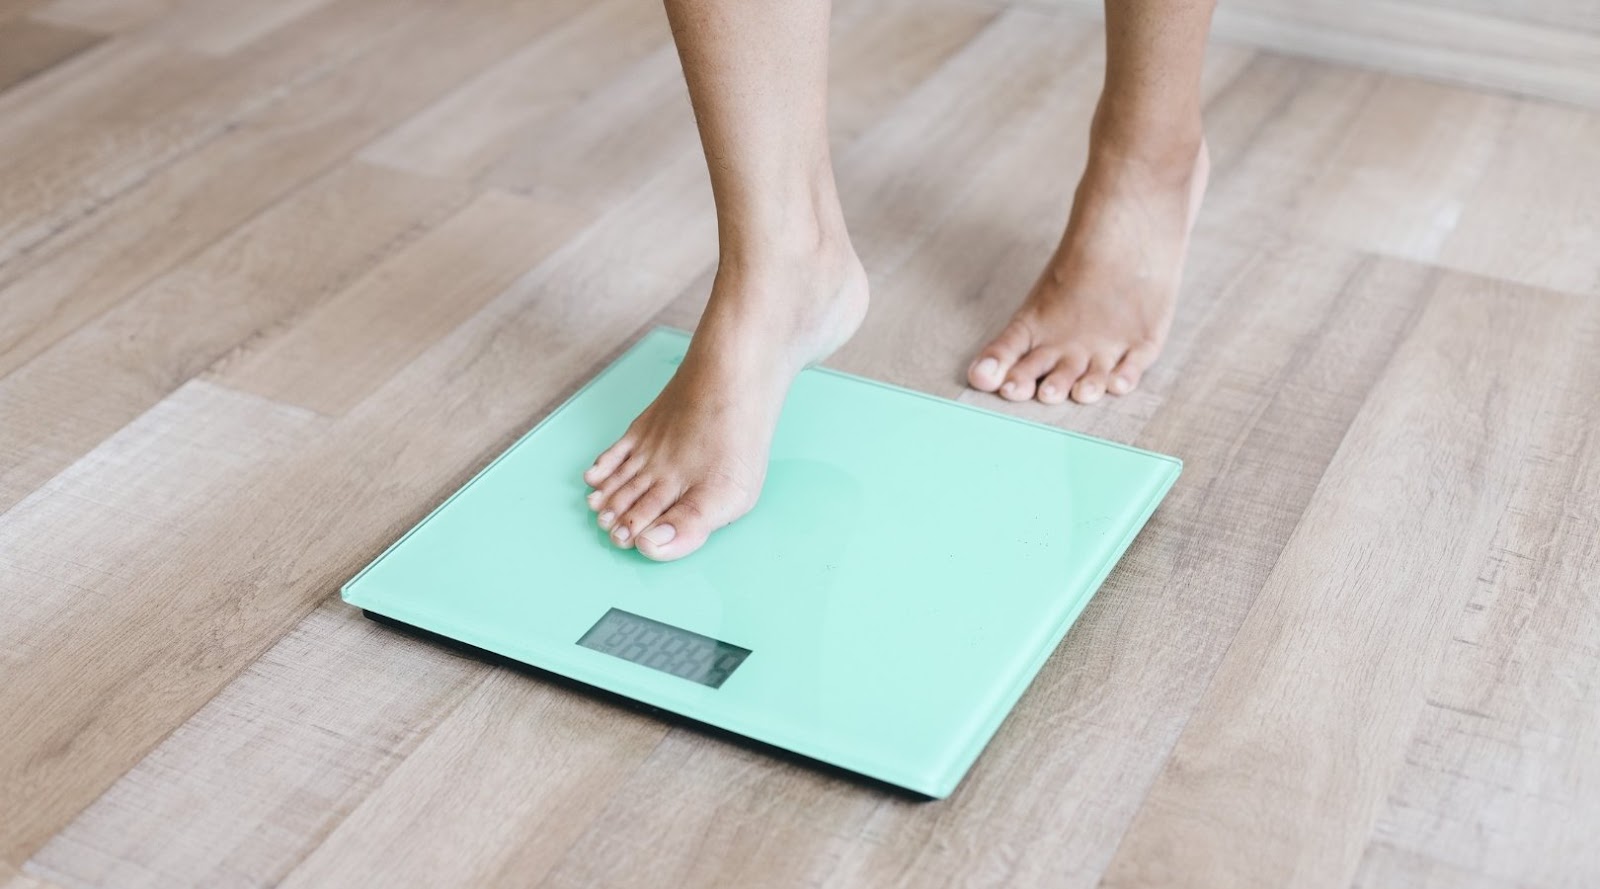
column 1099, row 314
column 695, row 459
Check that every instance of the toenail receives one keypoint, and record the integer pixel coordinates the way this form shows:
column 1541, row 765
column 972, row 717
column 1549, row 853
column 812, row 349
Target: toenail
column 621, row 534
column 1047, row 390
column 660, row 535
column 594, row 499
column 988, row 367
column 606, row 517
column 1120, row 385
column 1009, row 388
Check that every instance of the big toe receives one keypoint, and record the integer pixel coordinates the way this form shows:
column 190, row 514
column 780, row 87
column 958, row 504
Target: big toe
column 988, row 371
column 686, row 525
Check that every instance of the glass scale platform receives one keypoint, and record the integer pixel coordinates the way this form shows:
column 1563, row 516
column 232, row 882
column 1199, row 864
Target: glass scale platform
column 911, row 564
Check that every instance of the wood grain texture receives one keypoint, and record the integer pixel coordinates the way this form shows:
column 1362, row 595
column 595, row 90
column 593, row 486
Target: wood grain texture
column 28, row 47
column 11, row 878
column 225, row 28
column 276, row 278
column 78, row 641
column 106, row 15
column 1483, row 183
column 1500, row 785
column 352, row 343
column 70, row 157
column 507, row 335
column 281, row 265
column 1309, row 714
column 346, row 699
column 528, row 809
column 83, row 271
column 480, row 122
column 15, row 9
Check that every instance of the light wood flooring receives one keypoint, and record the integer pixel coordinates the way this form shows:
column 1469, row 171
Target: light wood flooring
column 276, row 276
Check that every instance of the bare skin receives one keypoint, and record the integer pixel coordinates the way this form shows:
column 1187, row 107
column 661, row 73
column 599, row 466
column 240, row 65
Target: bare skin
column 789, row 288
column 1099, row 314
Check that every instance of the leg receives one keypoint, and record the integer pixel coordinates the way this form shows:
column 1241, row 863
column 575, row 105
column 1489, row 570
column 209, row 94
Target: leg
column 788, row 289
column 1099, row 314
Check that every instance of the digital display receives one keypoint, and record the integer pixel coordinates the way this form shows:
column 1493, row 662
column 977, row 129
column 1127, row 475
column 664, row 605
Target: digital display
column 659, row 646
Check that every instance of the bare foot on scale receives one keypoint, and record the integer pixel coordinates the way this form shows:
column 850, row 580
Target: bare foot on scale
column 695, row 459
column 1099, row 314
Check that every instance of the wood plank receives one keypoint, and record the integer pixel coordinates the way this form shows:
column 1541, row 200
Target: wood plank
column 1500, row 782
column 224, row 28
column 476, row 126
column 83, row 155
column 11, row 878
column 1303, row 728
column 248, row 785
column 188, row 205
column 11, row 10
column 28, row 47
column 73, row 155
column 89, row 384
column 1410, row 161
column 349, row 345
column 519, row 126
column 1481, row 183
column 474, row 391
column 494, row 820
column 595, row 160
column 264, row 543
column 650, row 114
column 106, row 15
column 1536, row 219
column 572, row 275
column 94, row 619
column 705, row 811
column 898, row 182
column 883, row 49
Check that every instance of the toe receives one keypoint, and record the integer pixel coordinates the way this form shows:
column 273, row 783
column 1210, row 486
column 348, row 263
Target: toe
column 989, row 369
column 612, row 483
column 684, row 527
column 607, row 463
column 621, row 500
column 1132, row 366
column 1054, row 388
column 1092, row 384
column 644, row 510
column 1023, row 380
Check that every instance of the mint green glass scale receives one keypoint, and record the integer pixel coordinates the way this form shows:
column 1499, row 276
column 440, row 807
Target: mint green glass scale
column 910, row 565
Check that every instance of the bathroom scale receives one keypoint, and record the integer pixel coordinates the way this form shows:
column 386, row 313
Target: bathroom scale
column 910, row 565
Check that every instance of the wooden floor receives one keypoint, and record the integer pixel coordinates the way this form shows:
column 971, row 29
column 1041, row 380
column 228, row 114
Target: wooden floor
column 276, row 276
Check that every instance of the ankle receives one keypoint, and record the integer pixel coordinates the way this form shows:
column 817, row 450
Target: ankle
column 798, row 220
column 1165, row 142
column 802, row 242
